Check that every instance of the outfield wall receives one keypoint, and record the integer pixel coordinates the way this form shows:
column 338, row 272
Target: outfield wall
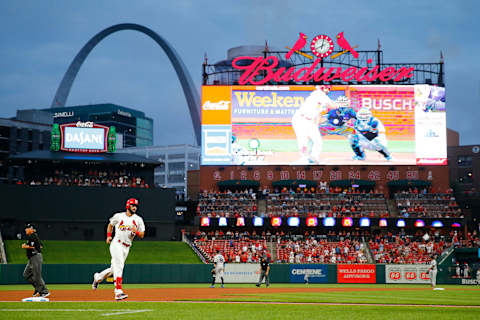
column 235, row 273
column 82, row 213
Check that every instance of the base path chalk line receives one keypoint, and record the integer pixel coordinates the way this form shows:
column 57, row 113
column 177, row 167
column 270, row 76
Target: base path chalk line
column 241, row 302
column 330, row 304
column 114, row 313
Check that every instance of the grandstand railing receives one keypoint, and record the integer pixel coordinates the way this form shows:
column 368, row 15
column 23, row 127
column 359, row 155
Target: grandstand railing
column 187, row 240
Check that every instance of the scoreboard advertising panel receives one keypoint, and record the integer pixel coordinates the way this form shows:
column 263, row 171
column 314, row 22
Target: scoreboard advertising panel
column 324, row 125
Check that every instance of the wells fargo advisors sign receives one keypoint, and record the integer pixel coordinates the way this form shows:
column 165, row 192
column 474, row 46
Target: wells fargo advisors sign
column 261, row 70
column 356, row 273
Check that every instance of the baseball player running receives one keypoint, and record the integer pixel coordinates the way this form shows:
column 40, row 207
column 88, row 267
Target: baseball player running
column 370, row 134
column 219, row 264
column 432, row 271
column 127, row 225
column 305, row 124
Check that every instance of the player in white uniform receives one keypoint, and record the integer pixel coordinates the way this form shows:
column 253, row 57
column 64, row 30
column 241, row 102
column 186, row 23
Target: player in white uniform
column 370, row 134
column 305, row 124
column 432, row 271
column 219, row 264
column 127, row 225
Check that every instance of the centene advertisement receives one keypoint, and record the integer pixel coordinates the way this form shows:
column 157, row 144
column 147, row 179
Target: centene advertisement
column 406, row 273
column 241, row 273
column 325, row 125
column 356, row 273
column 311, row 273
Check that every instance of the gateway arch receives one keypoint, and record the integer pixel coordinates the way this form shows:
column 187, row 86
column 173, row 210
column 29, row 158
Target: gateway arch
column 191, row 95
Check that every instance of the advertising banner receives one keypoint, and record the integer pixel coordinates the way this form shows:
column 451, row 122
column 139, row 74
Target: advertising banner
column 407, row 273
column 340, row 125
column 241, row 273
column 356, row 273
column 311, row 273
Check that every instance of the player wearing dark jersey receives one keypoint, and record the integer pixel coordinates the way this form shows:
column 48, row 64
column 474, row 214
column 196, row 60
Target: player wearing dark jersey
column 337, row 120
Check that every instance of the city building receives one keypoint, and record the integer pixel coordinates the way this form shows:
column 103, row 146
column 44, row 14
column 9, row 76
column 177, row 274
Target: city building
column 177, row 161
column 28, row 131
column 464, row 167
column 132, row 126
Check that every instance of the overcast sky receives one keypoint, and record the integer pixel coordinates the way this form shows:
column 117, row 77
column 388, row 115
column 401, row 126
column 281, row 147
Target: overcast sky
column 39, row 39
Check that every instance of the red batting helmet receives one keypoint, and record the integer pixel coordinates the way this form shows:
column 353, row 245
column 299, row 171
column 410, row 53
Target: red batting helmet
column 131, row 201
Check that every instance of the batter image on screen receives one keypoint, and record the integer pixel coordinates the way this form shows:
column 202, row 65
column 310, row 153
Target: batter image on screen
column 339, row 121
column 370, row 134
column 305, row 124
column 127, row 225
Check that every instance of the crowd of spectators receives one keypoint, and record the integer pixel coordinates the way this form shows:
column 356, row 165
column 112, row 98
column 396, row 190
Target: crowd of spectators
column 227, row 204
column 326, row 205
column 333, row 246
column 107, row 178
column 289, row 202
column 408, row 249
column 427, row 205
column 311, row 250
column 235, row 247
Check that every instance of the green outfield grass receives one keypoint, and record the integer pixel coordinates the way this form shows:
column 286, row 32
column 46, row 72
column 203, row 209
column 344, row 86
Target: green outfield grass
column 146, row 310
column 397, row 294
column 98, row 252
column 277, row 145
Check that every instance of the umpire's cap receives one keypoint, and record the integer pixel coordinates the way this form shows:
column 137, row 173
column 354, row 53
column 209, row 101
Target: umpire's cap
column 29, row 225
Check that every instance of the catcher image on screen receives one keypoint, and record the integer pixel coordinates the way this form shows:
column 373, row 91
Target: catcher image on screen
column 127, row 225
column 305, row 124
column 370, row 134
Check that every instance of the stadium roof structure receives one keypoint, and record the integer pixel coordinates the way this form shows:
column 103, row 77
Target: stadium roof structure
column 223, row 73
column 50, row 156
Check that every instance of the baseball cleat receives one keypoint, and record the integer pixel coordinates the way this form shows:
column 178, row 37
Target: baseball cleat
column 45, row 294
column 358, row 158
column 212, row 286
column 121, row 296
column 35, row 293
column 95, row 282
column 257, row 285
column 222, row 286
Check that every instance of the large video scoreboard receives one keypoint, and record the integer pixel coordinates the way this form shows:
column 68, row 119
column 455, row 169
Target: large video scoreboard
column 367, row 124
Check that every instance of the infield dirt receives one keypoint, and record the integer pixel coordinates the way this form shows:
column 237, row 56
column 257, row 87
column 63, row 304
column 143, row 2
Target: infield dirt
column 178, row 294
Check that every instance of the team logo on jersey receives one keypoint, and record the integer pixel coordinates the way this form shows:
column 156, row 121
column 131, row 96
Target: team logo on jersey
column 124, row 227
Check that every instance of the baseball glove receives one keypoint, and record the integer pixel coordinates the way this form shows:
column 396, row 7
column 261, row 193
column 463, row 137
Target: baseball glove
column 213, row 271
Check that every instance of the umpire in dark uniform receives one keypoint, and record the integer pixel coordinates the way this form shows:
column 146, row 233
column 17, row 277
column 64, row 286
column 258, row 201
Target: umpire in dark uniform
column 33, row 270
column 264, row 271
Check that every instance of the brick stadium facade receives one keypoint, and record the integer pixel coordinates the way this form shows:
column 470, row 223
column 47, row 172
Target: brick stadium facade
column 265, row 175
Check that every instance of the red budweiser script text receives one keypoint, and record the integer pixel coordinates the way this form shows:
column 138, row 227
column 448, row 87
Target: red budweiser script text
column 362, row 273
column 261, row 70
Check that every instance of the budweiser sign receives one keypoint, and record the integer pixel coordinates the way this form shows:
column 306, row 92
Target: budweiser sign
column 265, row 68
column 261, row 70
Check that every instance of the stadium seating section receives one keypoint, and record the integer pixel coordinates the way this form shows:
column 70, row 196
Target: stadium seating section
column 430, row 205
column 305, row 204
